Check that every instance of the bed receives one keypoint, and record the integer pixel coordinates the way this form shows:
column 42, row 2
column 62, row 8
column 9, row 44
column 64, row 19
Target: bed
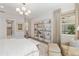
column 18, row 47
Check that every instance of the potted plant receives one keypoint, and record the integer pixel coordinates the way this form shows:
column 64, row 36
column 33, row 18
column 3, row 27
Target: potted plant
column 71, row 29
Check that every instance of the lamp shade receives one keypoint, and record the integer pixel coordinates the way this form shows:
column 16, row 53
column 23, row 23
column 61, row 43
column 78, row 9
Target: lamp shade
column 18, row 9
column 26, row 14
column 23, row 8
column 78, row 28
column 21, row 13
column 29, row 11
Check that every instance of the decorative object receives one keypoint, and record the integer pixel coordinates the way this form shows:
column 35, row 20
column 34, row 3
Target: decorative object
column 20, row 27
column 71, row 29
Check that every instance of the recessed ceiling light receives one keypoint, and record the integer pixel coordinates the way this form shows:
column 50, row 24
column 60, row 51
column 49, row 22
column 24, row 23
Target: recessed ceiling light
column 1, row 6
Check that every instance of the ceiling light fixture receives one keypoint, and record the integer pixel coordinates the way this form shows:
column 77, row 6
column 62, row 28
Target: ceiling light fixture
column 1, row 6
column 23, row 10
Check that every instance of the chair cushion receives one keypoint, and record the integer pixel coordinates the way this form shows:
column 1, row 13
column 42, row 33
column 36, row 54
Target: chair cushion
column 70, row 51
column 73, row 51
column 54, row 47
column 54, row 50
column 65, row 49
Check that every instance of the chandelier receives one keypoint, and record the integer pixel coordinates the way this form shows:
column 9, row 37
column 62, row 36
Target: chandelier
column 23, row 10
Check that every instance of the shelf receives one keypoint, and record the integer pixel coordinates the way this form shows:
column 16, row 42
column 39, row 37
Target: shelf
column 44, row 29
column 68, row 23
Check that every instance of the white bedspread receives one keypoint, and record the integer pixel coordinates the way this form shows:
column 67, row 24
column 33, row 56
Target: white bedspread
column 18, row 47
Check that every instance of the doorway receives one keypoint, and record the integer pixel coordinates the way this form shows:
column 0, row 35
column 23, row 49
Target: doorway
column 9, row 28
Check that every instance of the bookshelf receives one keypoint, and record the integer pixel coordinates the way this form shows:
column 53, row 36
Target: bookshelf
column 42, row 31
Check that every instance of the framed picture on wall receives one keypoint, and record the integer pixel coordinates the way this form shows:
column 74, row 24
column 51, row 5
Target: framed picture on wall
column 20, row 27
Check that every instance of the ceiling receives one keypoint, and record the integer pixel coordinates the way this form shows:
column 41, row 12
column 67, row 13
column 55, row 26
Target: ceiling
column 37, row 9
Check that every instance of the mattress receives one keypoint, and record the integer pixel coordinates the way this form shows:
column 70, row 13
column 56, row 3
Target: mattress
column 18, row 47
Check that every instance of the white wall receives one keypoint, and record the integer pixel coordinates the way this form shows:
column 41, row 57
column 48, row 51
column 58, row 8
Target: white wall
column 16, row 34
column 2, row 27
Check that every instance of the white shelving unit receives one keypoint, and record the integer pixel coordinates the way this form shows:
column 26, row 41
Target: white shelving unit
column 42, row 31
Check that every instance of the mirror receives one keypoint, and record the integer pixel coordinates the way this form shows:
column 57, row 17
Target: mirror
column 67, row 27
